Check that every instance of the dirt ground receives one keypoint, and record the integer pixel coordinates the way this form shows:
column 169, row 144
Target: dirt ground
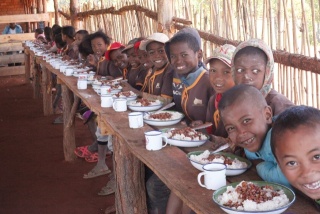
column 34, row 178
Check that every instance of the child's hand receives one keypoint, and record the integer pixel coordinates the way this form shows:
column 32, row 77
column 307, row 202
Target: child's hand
column 66, row 57
column 219, row 141
column 92, row 60
column 196, row 123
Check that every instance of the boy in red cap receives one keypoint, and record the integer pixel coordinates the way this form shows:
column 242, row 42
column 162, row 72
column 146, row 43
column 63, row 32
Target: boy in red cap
column 119, row 59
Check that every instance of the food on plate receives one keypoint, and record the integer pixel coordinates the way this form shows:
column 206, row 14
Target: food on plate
column 161, row 116
column 164, row 116
column 145, row 102
column 125, row 94
column 206, row 157
column 186, row 134
column 250, row 197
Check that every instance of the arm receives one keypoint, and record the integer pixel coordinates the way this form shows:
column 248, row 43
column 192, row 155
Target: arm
column 5, row 30
column 270, row 171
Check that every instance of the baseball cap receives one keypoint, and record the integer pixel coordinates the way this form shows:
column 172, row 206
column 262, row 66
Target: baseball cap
column 223, row 53
column 131, row 44
column 191, row 31
column 156, row 37
column 113, row 46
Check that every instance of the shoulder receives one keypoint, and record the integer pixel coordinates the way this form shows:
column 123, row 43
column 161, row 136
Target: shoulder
column 278, row 102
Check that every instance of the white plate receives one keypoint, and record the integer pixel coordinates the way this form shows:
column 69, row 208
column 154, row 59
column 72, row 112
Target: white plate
column 129, row 98
column 185, row 143
column 170, row 122
column 132, row 105
column 290, row 194
column 229, row 172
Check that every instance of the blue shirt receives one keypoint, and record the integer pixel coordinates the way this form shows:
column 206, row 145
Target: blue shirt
column 189, row 80
column 17, row 28
column 269, row 169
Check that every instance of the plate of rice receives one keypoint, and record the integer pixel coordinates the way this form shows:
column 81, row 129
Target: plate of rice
column 186, row 137
column 235, row 165
column 254, row 197
column 144, row 105
column 162, row 118
column 129, row 95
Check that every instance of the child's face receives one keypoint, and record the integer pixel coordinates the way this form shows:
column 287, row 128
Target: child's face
column 98, row 46
column 247, row 124
column 144, row 59
column 79, row 37
column 157, row 54
column 220, row 76
column 183, row 59
column 133, row 58
column 250, row 70
column 120, row 59
column 298, row 156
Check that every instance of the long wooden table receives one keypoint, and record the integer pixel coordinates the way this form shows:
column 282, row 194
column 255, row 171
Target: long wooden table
column 170, row 164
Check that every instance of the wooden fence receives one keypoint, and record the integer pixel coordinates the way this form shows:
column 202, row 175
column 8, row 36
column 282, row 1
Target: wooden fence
column 289, row 27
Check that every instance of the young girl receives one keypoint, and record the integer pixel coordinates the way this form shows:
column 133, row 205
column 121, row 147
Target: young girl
column 118, row 59
column 69, row 51
column 252, row 64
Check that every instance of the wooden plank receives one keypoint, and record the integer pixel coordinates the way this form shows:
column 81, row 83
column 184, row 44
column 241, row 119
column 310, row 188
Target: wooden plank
column 16, row 37
column 46, row 87
column 24, row 18
column 27, row 66
column 13, row 58
column 14, row 70
column 14, row 46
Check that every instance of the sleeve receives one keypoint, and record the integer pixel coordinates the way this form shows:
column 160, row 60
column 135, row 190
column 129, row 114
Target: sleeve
column 19, row 29
column 210, row 110
column 270, row 171
column 166, row 89
column 5, row 30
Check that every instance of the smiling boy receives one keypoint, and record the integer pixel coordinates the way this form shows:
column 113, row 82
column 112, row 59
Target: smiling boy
column 295, row 142
column 247, row 119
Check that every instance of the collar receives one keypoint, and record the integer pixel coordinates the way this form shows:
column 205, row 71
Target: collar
column 191, row 77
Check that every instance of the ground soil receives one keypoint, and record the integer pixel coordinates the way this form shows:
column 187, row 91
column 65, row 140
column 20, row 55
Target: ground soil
column 34, row 178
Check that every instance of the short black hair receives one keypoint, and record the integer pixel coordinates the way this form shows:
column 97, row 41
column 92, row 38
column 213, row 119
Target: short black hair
column 188, row 38
column 291, row 119
column 56, row 29
column 58, row 40
column 68, row 31
column 250, row 50
column 82, row 32
column 242, row 92
column 39, row 31
column 85, row 46
column 48, row 33
column 100, row 34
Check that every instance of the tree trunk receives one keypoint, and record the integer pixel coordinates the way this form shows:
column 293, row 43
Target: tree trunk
column 56, row 13
column 165, row 11
column 73, row 14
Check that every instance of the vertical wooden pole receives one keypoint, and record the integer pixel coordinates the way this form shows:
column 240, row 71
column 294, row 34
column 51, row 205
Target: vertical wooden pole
column 27, row 65
column 56, row 13
column 125, row 163
column 46, row 87
column 165, row 13
column 73, row 14
column 69, row 143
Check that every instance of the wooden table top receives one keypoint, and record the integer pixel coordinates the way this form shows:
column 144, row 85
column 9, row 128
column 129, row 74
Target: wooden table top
column 170, row 164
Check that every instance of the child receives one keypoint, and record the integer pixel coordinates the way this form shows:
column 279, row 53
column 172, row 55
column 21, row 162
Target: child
column 137, row 73
column 118, row 59
column 191, row 85
column 247, row 119
column 69, row 52
column 160, row 82
column 252, row 64
column 221, row 80
column 295, row 142
column 39, row 35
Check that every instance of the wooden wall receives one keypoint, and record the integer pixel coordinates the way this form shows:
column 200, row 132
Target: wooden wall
column 11, row 7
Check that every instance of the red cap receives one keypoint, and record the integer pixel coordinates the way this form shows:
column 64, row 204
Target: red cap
column 113, row 46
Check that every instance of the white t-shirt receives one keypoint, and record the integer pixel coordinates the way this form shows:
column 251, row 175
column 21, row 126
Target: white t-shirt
column 12, row 31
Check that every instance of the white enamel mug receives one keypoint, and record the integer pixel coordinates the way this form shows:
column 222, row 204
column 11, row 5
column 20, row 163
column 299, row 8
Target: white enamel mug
column 106, row 101
column 214, row 176
column 154, row 140
column 63, row 68
column 105, row 89
column 82, row 84
column 68, row 71
column 120, row 104
column 135, row 120
column 82, row 76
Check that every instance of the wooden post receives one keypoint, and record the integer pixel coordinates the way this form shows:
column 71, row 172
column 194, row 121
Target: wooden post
column 46, row 91
column 165, row 14
column 56, row 13
column 70, row 104
column 27, row 64
column 73, row 14
column 125, row 163
column 36, row 74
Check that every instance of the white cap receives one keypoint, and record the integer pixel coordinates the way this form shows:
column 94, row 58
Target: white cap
column 156, row 37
